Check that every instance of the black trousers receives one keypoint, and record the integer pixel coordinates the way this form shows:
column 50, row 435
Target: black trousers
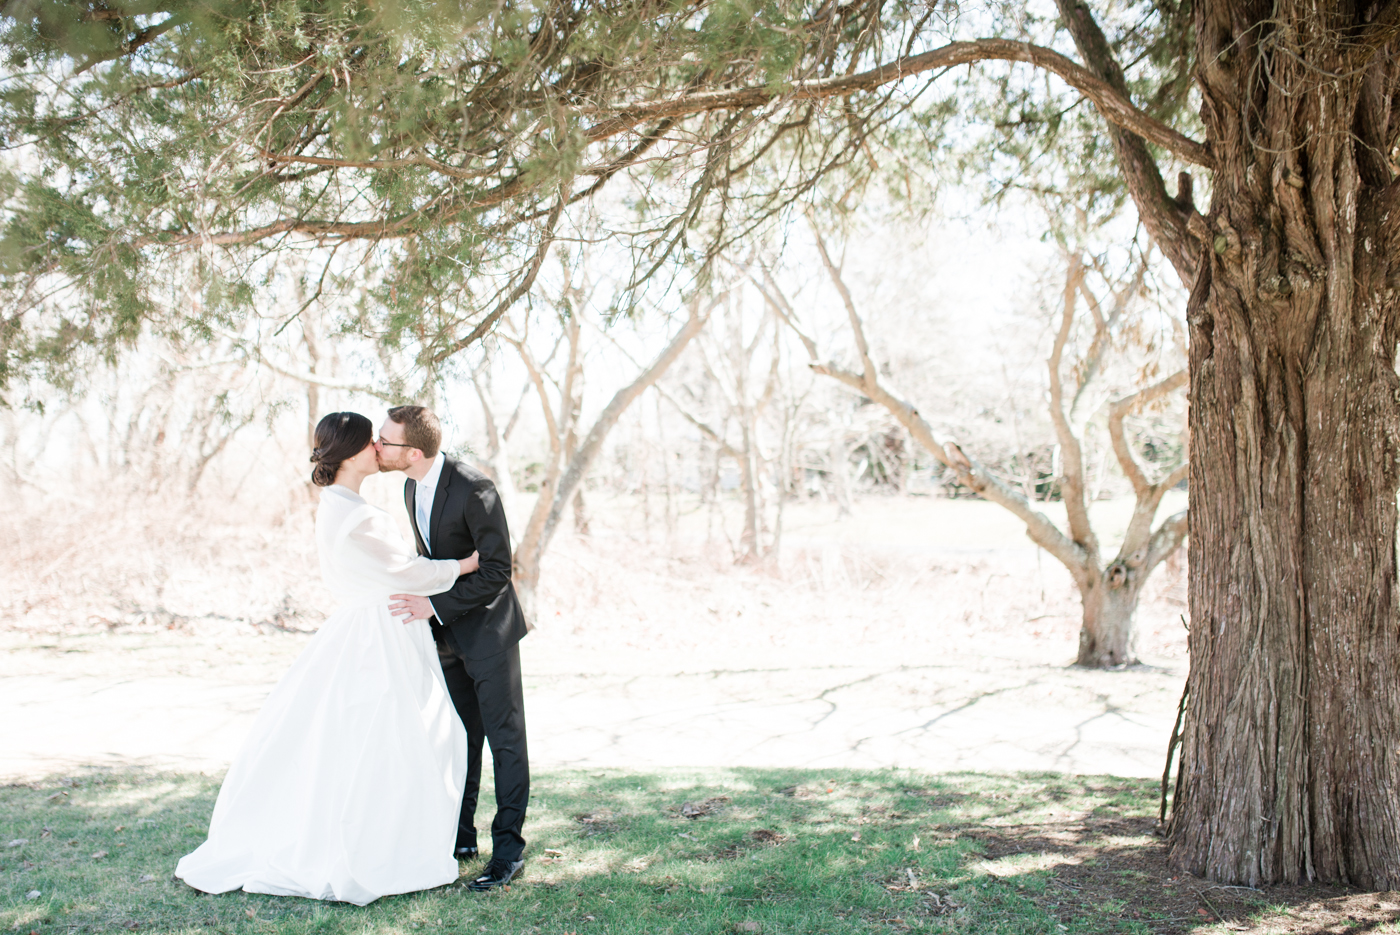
column 491, row 703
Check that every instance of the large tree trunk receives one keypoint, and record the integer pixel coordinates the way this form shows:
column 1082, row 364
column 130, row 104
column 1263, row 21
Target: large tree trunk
column 1106, row 632
column 1110, row 597
column 1292, row 735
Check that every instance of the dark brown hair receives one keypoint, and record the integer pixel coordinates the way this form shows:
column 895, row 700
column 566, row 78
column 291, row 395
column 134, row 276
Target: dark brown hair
column 421, row 428
column 339, row 435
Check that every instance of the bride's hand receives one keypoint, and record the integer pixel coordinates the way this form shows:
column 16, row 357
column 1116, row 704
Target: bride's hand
column 469, row 564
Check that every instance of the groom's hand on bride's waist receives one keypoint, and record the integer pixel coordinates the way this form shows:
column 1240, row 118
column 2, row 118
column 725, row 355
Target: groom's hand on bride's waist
column 410, row 607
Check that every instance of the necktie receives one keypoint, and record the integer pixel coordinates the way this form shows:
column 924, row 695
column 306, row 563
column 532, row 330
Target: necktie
column 422, row 501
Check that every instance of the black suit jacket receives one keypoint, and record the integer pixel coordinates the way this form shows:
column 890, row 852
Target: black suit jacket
column 479, row 615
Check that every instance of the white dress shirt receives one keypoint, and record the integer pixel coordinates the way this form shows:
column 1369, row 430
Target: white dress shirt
column 423, row 496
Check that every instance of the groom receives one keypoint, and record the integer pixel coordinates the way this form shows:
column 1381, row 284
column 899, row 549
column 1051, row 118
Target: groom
column 477, row 624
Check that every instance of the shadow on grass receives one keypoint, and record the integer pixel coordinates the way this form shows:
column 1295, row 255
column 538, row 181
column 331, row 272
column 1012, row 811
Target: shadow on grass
column 739, row 850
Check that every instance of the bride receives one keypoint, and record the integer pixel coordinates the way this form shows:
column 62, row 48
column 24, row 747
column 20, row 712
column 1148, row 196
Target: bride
column 349, row 785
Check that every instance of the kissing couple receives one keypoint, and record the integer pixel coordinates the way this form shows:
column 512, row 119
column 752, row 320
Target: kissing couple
column 360, row 776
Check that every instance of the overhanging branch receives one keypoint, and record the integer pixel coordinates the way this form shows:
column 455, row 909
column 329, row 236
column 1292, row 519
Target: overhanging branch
column 515, row 294
column 1113, row 106
column 1116, row 108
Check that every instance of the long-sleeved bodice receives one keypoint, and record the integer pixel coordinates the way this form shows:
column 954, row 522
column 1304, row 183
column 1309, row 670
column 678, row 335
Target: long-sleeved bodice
column 363, row 556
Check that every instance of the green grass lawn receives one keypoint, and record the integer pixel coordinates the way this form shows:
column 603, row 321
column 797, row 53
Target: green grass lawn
column 773, row 851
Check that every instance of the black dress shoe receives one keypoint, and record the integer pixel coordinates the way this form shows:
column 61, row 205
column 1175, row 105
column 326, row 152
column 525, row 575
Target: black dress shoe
column 498, row 873
column 464, row 853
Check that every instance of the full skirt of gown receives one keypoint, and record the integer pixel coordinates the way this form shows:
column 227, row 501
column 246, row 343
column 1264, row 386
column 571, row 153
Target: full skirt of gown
column 349, row 784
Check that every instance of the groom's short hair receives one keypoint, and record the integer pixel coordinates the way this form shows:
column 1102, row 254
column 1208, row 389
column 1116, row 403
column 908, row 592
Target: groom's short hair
column 421, row 428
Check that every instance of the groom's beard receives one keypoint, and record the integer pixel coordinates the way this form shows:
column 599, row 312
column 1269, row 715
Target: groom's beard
column 386, row 466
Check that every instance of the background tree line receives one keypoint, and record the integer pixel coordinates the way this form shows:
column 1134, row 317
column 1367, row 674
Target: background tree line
column 718, row 396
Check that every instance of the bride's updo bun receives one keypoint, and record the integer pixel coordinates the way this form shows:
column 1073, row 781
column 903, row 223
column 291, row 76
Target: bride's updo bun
column 323, row 475
column 339, row 436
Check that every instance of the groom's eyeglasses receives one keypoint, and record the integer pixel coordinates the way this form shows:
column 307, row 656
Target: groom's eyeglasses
column 384, row 444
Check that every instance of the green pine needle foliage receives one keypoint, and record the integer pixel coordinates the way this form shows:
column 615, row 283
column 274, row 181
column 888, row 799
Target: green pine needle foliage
column 158, row 153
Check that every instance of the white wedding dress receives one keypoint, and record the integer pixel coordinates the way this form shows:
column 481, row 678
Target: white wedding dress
column 350, row 783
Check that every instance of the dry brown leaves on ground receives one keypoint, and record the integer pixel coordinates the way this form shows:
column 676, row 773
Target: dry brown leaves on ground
column 700, row 809
column 598, row 821
column 1108, row 865
column 755, row 840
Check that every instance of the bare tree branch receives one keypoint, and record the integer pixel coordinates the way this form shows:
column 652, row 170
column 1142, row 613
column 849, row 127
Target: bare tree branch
column 774, row 296
column 1166, row 218
column 970, row 473
column 705, row 428
column 537, row 379
column 1167, row 539
column 862, row 348
column 1127, row 460
column 493, row 435
column 583, row 458
column 1072, row 484
column 251, row 350
column 1103, row 330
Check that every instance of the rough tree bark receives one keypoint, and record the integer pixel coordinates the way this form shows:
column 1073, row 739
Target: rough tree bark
column 1292, row 735
column 1292, row 731
column 1109, row 591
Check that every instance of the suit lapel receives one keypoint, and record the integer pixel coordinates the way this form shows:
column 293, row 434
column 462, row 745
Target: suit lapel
column 440, row 498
